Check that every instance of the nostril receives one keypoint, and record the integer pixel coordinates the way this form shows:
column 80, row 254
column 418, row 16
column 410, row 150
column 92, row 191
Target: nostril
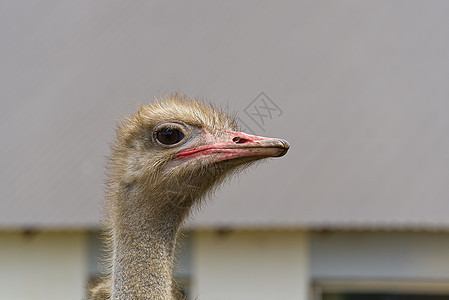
column 239, row 140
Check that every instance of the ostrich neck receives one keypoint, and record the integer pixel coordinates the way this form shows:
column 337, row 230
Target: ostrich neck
column 143, row 243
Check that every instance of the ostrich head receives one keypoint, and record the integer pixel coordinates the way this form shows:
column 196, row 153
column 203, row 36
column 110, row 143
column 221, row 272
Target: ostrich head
column 175, row 150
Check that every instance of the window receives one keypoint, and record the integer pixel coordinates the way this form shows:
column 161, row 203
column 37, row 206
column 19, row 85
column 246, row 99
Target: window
column 382, row 296
column 380, row 290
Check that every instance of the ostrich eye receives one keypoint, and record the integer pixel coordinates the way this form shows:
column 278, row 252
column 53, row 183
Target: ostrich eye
column 169, row 136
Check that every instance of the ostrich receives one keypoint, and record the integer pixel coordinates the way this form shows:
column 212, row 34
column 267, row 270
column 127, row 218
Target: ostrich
column 166, row 158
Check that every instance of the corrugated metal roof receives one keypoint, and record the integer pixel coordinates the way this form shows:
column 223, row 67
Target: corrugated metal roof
column 359, row 89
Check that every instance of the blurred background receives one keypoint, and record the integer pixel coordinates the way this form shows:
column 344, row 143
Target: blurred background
column 358, row 208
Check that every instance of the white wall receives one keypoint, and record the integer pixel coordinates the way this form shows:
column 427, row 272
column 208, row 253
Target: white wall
column 44, row 265
column 250, row 265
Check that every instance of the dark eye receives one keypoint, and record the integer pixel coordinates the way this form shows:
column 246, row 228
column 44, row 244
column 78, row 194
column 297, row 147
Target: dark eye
column 169, row 136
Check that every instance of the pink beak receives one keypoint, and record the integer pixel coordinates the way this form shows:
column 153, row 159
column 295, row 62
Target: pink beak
column 232, row 144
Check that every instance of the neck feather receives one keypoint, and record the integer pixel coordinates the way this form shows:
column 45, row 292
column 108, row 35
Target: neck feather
column 144, row 237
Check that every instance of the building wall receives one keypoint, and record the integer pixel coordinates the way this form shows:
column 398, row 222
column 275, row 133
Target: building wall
column 43, row 265
column 250, row 265
column 237, row 265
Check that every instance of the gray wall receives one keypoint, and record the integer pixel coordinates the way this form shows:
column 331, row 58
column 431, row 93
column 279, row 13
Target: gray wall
column 360, row 90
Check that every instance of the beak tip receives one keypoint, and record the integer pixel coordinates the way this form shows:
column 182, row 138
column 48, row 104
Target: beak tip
column 285, row 144
column 283, row 148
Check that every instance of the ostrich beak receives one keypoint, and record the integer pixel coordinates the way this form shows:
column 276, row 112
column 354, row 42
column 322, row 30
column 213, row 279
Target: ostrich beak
column 256, row 145
column 231, row 144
